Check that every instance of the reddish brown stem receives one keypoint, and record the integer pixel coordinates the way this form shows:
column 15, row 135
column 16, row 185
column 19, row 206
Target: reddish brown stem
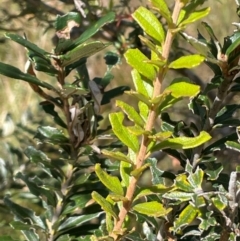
column 149, row 125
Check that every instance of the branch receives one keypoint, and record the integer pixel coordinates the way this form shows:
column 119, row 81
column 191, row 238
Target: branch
column 150, row 124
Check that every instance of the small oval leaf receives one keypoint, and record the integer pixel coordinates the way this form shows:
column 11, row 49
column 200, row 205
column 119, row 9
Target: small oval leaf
column 150, row 24
column 188, row 62
column 111, row 182
column 153, row 209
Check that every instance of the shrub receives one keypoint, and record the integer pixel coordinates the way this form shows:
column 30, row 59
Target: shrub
column 91, row 190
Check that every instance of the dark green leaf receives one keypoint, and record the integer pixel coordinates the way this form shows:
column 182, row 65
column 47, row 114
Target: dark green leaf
column 225, row 113
column 108, row 95
column 108, row 18
column 77, row 203
column 49, row 109
column 37, row 189
column 15, row 73
column 111, row 58
column 235, row 42
column 220, row 144
column 155, row 172
column 82, row 51
column 27, row 44
column 76, row 221
column 24, row 214
column 61, row 22
column 53, row 134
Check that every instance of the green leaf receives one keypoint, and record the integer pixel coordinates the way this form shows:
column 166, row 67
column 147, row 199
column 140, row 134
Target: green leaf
column 73, row 89
column 226, row 113
column 76, row 203
column 31, row 235
column 220, row 144
column 27, row 44
column 24, row 214
column 49, row 109
column 153, row 209
column 116, row 156
column 219, row 202
column 179, row 196
column 186, row 217
column 122, row 132
column 138, row 131
column 138, row 171
column 61, row 22
column 21, row 226
column 196, row 178
column 141, row 85
column 143, row 110
column 53, row 134
column 76, row 221
column 15, row 73
column 214, row 173
column 235, row 39
column 37, row 156
column 108, row 95
column 158, row 100
column 139, row 96
column 188, row 62
column 105, row 205
column 66, row 237
column 111, row 182
column 125, row 170
column 155, row 49
column 82, row 51
column 7, row 238
column 42, row 192
column 201, row 47
column 162, row 8
column 233, row 145
column 131, row 113
column 155, row 189
column 108, row 18
column 155, row 172
column 41, row 64
column 161, row 136
column 150, row 24
column 193, row 17
column 207, row 220
column 136, row 59
column 183, row 142
column 183, row 184
column 180, row 88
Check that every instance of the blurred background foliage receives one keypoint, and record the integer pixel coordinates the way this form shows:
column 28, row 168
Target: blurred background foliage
column 20, row 113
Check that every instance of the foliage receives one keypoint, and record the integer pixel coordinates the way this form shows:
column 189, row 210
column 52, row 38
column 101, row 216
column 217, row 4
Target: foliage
column 92, row 191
